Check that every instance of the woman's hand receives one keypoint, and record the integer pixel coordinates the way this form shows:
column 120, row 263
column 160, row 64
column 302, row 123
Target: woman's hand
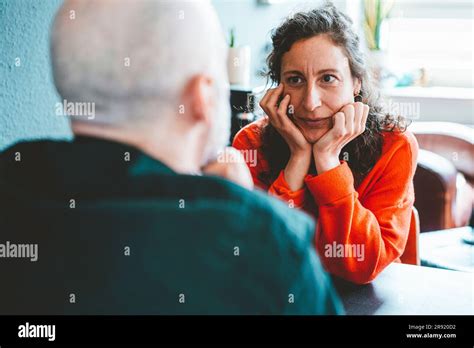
column 349, row 123
column 300, row 158
column 279, row 119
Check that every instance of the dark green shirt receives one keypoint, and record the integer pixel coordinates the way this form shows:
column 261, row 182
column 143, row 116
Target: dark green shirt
column 121, row 233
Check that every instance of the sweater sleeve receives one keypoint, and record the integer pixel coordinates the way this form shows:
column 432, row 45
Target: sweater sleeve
column 248, row 139
column 281, row 189
column 357, row 240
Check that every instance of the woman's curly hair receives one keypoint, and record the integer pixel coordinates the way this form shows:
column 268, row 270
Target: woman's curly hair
column 361, row 153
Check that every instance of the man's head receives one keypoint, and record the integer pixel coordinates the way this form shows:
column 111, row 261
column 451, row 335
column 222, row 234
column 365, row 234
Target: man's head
column 153, row 69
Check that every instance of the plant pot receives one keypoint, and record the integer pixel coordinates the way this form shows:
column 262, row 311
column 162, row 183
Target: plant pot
column 238, row 65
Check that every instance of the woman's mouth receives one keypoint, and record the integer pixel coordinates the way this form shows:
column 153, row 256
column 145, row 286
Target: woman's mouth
column 320, row 123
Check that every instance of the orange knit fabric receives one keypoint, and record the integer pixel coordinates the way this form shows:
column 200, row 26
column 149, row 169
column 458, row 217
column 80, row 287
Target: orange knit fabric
column 374, row 217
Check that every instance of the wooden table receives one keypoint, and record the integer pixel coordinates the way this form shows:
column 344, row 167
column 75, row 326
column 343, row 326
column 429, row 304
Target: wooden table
column 411, row 290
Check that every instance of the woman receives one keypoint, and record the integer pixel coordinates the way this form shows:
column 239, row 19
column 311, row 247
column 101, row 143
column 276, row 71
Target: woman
column 326, row 147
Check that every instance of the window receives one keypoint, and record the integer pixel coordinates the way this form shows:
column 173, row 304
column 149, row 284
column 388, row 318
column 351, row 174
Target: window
column 434, row 35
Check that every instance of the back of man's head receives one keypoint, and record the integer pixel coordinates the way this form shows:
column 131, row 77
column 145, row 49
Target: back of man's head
column 131, row 59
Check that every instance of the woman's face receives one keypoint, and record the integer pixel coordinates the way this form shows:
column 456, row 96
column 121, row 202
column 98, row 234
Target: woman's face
column 316, row 74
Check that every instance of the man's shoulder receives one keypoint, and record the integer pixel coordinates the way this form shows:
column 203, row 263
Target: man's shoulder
column 257, row 210
column 25, row 160
column 219, row 199
column 14, row 150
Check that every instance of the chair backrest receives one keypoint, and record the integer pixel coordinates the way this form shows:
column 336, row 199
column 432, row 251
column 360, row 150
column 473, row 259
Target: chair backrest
column 411, row 254
column 453, row 141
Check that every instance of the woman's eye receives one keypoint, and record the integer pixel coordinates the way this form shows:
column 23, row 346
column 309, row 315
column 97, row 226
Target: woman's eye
column 294, row 80
column 329, row 78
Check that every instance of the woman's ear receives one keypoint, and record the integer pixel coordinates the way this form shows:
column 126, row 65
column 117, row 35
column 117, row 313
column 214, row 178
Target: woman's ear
column 198, row 96
column 357, row 86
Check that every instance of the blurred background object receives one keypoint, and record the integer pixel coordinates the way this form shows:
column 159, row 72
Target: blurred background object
column 375, row 14
column 238, row 62
column 375, row 11
column 444, row 181
column 432, row 35
column 244, row 107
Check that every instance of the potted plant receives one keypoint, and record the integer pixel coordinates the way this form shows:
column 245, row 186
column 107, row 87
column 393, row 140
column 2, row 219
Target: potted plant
column 238, row 62
column 375, row 13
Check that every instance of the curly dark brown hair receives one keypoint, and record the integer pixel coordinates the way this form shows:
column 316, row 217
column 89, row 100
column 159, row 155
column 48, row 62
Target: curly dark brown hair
column 362, row 153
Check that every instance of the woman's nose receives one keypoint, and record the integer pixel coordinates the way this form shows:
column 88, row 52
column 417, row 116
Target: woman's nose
column 312, row 99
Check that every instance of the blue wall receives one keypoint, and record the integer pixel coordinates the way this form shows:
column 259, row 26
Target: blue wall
column 27, row 94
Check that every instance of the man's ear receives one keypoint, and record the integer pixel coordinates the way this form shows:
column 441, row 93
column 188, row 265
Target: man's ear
column 198, row 95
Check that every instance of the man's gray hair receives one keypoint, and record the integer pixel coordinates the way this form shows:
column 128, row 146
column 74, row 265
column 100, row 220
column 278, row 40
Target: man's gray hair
column 131, row 58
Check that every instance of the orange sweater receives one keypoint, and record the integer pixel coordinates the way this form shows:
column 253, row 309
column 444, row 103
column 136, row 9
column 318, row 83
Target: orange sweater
column 360, row 230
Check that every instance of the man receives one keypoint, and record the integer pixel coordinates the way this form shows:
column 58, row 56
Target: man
column 137, row 215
